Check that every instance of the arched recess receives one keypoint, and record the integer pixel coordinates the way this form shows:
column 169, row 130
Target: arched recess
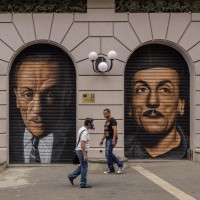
column 157, row 111
column 42, row 101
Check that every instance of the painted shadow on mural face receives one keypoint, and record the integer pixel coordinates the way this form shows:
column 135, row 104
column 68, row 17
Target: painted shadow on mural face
column 42, row 106
column 156, row 104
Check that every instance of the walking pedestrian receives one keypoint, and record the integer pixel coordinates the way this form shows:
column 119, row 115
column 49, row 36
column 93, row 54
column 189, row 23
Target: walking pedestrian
column 82, row 148
column 110, row 134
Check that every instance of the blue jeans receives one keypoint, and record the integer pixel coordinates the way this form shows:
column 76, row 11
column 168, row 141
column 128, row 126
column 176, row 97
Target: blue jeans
column 81, row 169
column 111, row 158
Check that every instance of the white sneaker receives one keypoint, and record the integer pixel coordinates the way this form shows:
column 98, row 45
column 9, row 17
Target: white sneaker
column 120, row 170
column 108, row 172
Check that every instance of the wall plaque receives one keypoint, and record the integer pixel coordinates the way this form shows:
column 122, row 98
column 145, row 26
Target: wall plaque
column 88, row 98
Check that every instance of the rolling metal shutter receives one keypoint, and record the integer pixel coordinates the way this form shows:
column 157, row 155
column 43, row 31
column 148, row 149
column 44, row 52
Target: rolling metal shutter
column 137, row 139
column 56, row 117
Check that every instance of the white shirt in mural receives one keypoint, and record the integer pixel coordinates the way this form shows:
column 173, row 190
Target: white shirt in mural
column 44, row 147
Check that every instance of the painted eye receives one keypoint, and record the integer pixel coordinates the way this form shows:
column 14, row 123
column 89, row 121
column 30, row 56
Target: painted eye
column 142, row 90
column 165, row 90
column 50, row 94
column 28, row 95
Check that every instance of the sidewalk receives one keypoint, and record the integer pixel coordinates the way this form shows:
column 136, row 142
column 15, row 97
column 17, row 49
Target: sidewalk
column 181, row 178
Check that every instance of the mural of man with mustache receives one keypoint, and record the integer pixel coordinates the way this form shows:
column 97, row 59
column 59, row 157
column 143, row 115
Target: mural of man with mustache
column 155, row 104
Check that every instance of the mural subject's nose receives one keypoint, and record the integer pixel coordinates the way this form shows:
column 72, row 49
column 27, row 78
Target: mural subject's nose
column 152, row 100
column 36, row 105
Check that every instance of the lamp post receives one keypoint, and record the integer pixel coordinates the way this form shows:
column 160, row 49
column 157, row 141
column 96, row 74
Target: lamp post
column 100, row 64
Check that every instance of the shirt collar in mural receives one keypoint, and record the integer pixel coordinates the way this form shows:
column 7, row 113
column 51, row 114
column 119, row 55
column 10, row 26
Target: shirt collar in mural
column 45, row 147
column 176, row 153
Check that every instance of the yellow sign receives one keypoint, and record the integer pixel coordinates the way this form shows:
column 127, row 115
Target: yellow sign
column 88, row 98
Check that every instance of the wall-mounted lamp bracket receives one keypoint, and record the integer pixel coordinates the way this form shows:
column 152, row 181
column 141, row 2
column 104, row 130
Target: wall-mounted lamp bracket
column 99, row 64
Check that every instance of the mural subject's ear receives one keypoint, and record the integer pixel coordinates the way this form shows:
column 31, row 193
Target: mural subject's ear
column 17, row 103
column 181, row 106
column 129, row 110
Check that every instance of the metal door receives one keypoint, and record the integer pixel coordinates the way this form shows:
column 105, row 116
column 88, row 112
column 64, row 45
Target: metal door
column 156, row 104
column 42, row 104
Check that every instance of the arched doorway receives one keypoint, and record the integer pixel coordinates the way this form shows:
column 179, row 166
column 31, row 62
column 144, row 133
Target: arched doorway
column 156, row 104
column 42, row 106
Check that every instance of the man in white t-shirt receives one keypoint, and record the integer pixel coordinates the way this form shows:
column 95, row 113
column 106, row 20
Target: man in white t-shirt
column 82, row 148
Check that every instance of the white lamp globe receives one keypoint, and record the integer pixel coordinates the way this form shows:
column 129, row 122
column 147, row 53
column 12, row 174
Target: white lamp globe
column 93, row 56
column 112, row 55
column 103, row 66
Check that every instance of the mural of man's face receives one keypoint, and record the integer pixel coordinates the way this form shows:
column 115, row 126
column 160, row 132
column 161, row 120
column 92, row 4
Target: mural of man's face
column 40, row 96
column 156, row 102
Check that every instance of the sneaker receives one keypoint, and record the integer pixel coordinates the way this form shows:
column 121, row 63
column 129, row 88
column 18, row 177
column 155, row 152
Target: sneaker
column 109, row 172
column 86, row 186
column 121, row 169
column 71, row 180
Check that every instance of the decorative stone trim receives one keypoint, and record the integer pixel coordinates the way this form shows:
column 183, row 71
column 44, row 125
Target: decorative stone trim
column 96, row 164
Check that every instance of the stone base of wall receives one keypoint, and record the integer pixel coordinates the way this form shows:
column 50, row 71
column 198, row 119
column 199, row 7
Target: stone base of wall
column 2, row 166
column 196, row 156
column 99, row 164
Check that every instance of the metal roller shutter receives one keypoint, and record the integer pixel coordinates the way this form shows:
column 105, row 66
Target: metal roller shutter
column 156, row 104
column 42, row 104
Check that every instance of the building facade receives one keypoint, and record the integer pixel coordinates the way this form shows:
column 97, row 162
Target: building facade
column 100, row 30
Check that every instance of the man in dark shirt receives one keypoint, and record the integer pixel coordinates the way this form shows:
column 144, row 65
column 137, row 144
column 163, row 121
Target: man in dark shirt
column 110, row 134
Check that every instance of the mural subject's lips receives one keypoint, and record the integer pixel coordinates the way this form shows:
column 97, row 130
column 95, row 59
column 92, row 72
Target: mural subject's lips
column 153, row 117
column 153, row 114
column 36, row 119
column 36, row 124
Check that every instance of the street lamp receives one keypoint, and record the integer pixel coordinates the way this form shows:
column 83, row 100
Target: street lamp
column 100, row 64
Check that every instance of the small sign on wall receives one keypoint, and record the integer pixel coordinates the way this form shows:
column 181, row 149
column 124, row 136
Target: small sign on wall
column 88, row 98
